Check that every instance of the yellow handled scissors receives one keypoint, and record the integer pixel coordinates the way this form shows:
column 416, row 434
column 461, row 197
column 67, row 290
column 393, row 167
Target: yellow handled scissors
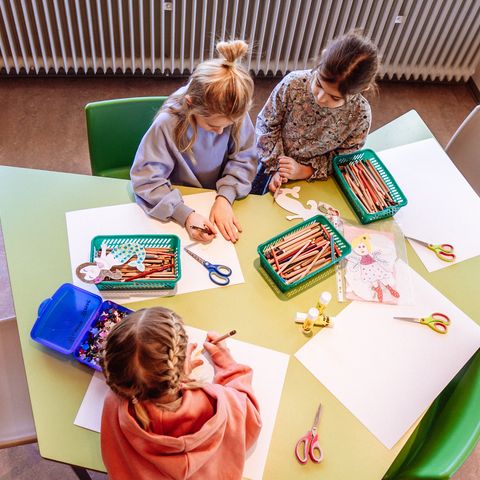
column 437, row 321
column 444, row 251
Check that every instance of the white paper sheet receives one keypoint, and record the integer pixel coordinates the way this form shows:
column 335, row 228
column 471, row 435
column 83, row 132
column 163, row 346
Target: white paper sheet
column 387, row 372
column 267, row 388
column 83, row 225
column 442, row 206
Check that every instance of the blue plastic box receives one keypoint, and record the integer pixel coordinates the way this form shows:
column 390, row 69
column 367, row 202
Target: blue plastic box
column 66, row 321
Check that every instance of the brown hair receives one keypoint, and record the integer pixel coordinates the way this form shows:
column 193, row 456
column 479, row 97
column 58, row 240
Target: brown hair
column 351, row 62
column 144, row 357
column 217, row 87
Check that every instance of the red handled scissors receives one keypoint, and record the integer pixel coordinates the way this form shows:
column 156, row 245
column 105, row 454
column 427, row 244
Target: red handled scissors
column 308, row 446
column 437, row 321
column 443, row 251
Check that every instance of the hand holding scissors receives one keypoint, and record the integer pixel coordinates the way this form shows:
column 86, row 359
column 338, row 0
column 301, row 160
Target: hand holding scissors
column 308, row 446
column 438, row 322
column 443, row 251
column 219, row 274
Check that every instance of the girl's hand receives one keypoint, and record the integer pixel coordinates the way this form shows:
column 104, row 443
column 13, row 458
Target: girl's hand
column 222, row 215
column 197, row 220
column 292, row 170
column 276, row 182
column 219, row 353
column 191, row 363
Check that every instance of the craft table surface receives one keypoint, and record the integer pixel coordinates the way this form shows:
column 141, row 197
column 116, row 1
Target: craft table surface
column 32, row 211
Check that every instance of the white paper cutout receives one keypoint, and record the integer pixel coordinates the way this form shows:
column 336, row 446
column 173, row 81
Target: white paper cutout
column 103, row 266
column 286, row 199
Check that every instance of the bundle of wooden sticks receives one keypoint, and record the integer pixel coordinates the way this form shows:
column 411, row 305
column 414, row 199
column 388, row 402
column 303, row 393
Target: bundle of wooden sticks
column 368, row 185
column 302, row 252
column 159, row 265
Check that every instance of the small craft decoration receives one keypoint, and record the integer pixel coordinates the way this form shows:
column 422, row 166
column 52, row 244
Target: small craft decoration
column 286, row 199
column 103, row 266
column 370, row 270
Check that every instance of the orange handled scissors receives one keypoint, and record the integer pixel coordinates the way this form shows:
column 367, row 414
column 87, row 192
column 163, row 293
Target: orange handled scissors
column 308, row 446
column 438, row 322
column 443, row 251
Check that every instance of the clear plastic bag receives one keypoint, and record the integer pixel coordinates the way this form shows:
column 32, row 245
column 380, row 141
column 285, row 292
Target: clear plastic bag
column 377, row 269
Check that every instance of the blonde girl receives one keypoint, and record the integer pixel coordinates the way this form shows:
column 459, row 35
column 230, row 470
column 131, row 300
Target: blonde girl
column 157, row 422
column 313, row 115
column 202, row 137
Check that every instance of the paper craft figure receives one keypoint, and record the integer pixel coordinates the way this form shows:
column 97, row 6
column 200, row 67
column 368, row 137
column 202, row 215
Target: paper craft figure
column 370, row 268
column 103, row 266
column 286, row 199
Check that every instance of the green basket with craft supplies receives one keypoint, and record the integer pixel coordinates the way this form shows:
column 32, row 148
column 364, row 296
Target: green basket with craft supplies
column 302, row 252
column 366, row 171
column 168, row 245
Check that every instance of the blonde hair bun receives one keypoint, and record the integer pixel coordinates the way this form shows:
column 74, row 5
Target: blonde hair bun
column 233, row 50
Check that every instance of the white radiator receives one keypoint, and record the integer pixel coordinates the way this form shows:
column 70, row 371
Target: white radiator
column 418, row 39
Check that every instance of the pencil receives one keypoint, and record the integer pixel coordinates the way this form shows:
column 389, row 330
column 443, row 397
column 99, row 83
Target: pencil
column 203, row 229
column 223, row 337
column 219, row 339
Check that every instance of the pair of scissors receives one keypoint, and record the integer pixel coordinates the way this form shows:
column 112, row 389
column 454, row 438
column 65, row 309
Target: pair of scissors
column 438, row 322
column 308, row 446
column 219, row 274
column 443, row 251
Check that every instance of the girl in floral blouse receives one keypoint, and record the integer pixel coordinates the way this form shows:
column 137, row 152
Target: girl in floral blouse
column 313, row 115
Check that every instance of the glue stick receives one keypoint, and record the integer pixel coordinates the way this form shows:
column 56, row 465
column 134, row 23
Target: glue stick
column 323, row 301
column 309, row 322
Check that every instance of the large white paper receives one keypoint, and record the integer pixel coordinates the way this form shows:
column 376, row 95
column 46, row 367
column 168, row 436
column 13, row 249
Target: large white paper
column 267, row 388
column 130, row 219
column 442, row 206
column 387, row 372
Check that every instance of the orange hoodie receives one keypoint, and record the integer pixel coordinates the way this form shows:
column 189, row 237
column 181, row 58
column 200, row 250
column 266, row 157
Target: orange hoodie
column 206, row 438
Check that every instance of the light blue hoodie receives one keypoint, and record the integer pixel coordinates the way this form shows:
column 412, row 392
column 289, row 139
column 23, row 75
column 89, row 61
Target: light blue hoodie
column 158, row 164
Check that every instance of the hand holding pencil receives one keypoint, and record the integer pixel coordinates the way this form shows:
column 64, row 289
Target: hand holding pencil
column 217, row 349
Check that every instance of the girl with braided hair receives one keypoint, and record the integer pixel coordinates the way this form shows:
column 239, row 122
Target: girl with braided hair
column 202, row 137
column 159, row 424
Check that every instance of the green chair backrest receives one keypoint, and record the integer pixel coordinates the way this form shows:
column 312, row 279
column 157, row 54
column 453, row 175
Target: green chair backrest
column 115, row 129
column 447, row 433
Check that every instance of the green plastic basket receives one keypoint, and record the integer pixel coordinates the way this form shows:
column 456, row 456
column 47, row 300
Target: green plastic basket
column 146, row 241
column 340, row 242
column 395, row 191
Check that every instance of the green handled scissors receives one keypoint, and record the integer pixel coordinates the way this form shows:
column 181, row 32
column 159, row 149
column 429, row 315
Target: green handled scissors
column 443, row 251
column 437, row 321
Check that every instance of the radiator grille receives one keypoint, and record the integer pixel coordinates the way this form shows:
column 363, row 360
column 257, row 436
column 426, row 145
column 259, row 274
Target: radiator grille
column 434, row 39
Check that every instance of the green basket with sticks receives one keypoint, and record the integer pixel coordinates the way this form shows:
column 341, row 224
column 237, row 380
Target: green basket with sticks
column 162, row 260
column 369, row 187
column 302, row 252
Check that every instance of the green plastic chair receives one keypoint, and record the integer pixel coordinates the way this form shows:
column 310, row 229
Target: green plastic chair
column 115, row 129
column 448, row 432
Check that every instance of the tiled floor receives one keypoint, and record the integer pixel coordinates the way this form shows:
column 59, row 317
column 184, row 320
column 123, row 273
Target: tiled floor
column 42, row 126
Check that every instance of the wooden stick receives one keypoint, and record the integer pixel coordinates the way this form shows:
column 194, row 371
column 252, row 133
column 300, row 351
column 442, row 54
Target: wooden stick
column 305, row 272
column 294, row 257
column 318, row 264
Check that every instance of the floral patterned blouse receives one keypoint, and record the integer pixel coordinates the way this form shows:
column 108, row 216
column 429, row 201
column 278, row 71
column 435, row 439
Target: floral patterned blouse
column 292, row 124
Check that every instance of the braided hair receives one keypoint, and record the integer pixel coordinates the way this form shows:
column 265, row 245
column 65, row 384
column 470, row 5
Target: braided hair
column 144, row 357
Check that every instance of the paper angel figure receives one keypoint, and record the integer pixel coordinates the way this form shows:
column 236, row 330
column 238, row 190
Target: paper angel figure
column 286, row 199
column 103, row 266
column 370, row 271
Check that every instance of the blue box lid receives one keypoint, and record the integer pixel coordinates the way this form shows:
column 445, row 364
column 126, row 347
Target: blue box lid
column 64, row 318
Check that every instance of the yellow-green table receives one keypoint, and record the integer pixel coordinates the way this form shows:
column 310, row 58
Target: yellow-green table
column 32, row 211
